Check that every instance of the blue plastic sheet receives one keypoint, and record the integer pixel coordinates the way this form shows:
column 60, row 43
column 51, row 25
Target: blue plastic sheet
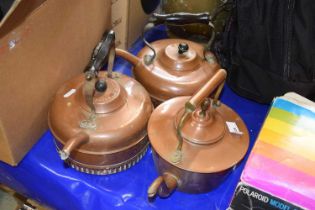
column 41, row 175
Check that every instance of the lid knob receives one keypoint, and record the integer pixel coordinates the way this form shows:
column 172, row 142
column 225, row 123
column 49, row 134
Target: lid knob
column 182, row 48
column 101, row 85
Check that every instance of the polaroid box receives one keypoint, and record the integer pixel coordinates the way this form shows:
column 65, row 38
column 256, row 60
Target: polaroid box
column 280, row 172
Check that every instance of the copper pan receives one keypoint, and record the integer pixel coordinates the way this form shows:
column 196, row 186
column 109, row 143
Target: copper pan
column 173, row 67
column 193, row 147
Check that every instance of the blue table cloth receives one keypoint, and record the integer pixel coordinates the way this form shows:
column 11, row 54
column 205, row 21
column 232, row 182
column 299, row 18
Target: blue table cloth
column 43, row 176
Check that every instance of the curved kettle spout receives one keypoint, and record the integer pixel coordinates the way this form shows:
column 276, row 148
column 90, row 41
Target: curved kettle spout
column 134, row 60
column 163, row 186
column 72, row 143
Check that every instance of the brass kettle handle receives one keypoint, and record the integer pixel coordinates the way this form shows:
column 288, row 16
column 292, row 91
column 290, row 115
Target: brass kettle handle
column 216, row 82
column 163, row 186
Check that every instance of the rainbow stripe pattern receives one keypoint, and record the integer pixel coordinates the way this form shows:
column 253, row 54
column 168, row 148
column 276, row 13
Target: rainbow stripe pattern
column 282, row 161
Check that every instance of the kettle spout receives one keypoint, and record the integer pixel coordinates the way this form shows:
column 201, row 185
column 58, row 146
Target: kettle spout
column 163, row 186
column 72, row 143
column 154, row 187
column 134, row 60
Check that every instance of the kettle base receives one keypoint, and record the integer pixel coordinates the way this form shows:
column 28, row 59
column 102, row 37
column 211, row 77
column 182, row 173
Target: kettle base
column 107, row 169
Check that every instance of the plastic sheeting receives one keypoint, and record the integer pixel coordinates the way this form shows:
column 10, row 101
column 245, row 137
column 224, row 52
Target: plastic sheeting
column 41, row 175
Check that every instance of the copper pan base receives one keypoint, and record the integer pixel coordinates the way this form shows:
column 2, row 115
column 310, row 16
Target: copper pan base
column 134, row 154
column 190, row 182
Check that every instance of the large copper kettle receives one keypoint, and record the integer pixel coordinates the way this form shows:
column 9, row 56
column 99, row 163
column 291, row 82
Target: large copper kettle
column 173, row 67
column 196, row 141
column 99, row 119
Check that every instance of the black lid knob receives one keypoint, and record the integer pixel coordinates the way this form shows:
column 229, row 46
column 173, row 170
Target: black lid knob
column 101, row 85
column 182, row 48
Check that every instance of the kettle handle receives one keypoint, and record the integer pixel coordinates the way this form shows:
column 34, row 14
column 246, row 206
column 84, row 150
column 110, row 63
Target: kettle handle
column 104, row 49
column 216, row 82
column 184, row 18
column 180, row 18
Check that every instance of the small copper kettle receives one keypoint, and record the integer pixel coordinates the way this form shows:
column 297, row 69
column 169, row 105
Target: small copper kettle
column 99, row 119
column 196, row 141
column 173, row 67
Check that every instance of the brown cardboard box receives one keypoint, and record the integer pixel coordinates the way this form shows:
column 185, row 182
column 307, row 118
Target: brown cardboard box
column 128, row 20
column 43, row 43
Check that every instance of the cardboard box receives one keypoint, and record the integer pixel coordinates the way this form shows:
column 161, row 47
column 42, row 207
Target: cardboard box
column 43, row 43
column 128, row 21
column 280, row 171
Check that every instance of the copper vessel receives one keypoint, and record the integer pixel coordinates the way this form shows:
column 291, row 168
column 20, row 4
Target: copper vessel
column 99, row 119
column 173, row 67
column 194, row 144
column 218, row 9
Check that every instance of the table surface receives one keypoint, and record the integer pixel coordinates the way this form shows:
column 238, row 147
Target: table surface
column 41, row 175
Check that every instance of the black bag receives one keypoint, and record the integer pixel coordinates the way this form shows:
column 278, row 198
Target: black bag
column 268, row 48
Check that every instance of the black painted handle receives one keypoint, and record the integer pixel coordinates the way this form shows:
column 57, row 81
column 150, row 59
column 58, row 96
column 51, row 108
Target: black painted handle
column 180, row 18
column 100, row 53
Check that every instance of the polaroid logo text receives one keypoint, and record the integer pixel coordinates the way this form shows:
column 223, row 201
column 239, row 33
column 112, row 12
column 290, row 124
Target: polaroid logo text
column 254, row 194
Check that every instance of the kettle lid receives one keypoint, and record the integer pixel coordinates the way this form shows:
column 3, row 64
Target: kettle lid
column 217, row 151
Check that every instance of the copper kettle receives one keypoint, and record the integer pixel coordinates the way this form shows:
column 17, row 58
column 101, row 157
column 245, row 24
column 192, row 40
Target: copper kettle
column 99, row 119
column 173, row 67
column 196, row 141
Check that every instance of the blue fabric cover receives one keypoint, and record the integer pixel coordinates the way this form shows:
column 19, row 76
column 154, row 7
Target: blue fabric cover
column 42, row 175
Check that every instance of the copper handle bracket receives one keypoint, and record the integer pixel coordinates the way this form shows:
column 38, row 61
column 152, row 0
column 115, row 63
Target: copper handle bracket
column 89, row 123
column 148, row 59
column 216, row 102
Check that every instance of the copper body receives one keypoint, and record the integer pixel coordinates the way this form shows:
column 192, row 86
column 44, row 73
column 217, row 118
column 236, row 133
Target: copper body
column 172, row 74
column 186, row 181
column 209, row 150
column 112, row 139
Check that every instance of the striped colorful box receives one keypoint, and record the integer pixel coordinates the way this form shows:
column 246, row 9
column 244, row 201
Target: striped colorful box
column 282, row 162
